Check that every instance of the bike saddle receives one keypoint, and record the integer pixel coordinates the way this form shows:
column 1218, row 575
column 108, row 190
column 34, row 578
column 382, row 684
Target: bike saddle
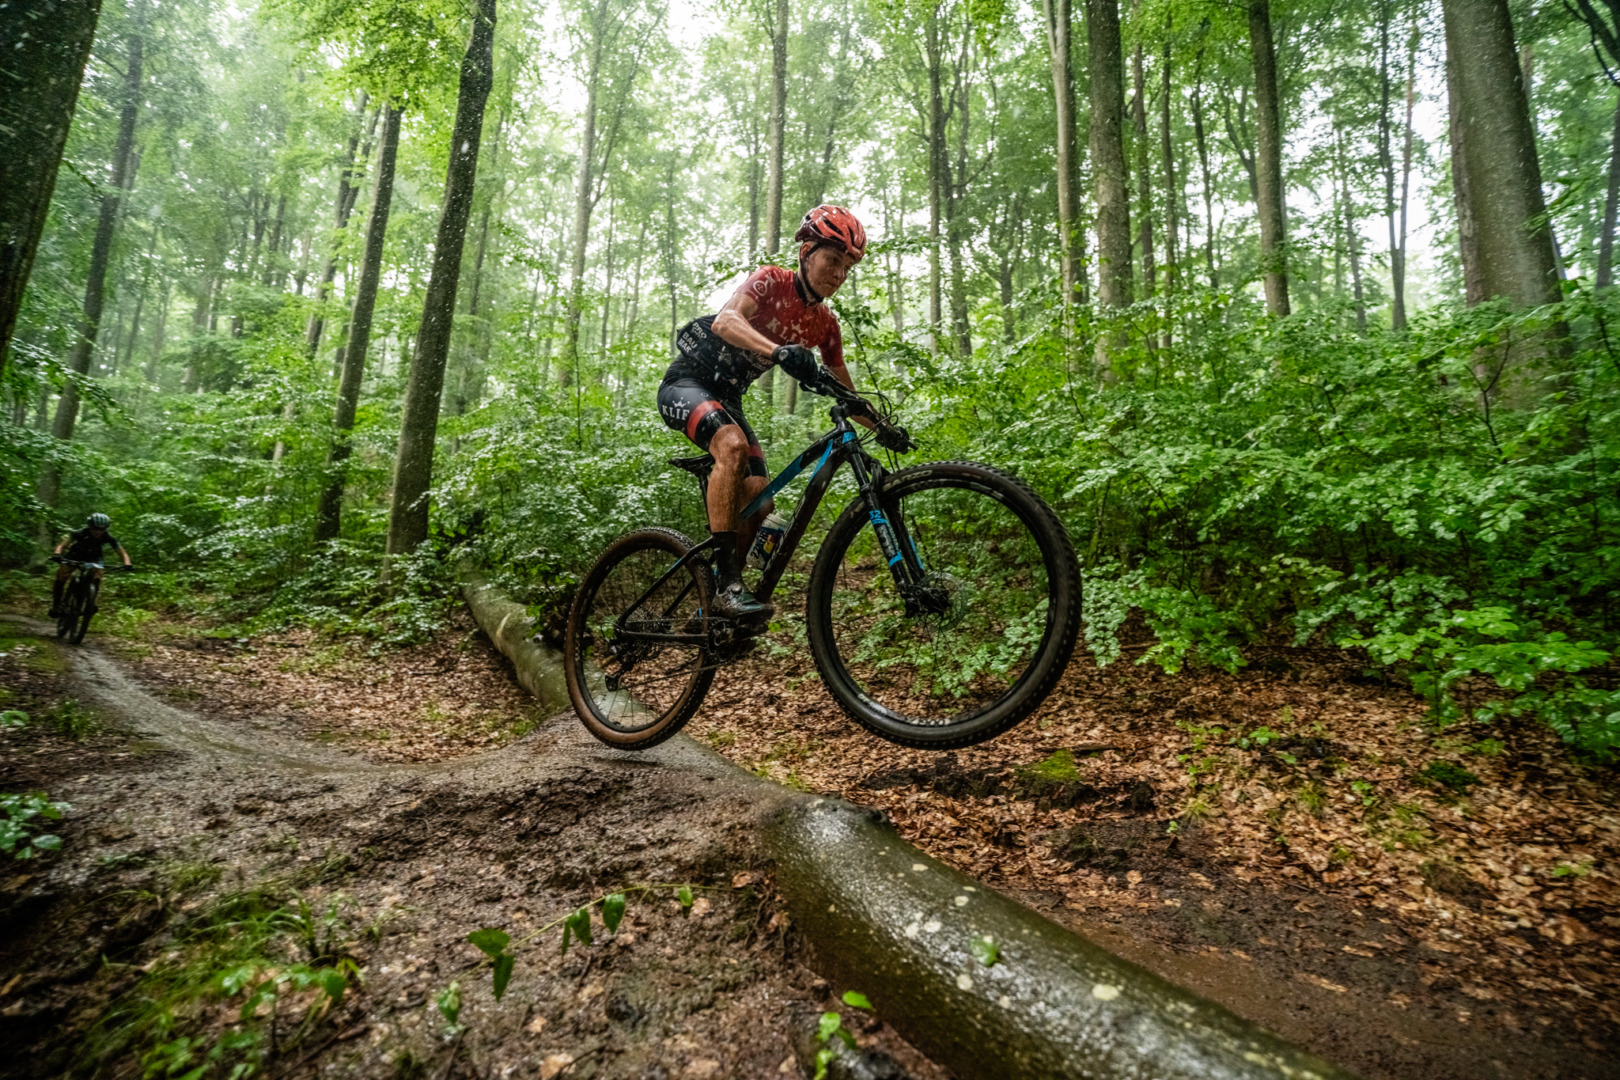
column 699, row 467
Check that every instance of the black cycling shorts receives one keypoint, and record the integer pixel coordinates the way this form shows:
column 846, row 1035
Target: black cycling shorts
column 696, row 411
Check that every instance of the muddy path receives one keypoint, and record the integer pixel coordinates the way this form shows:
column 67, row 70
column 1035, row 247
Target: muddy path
column 174, row 814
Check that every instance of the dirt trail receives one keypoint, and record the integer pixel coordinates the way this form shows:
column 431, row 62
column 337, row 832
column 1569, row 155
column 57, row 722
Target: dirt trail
column 177, row 810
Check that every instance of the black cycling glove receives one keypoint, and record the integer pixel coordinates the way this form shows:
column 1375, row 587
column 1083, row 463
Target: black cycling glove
column 798, row 361
column 896, row 438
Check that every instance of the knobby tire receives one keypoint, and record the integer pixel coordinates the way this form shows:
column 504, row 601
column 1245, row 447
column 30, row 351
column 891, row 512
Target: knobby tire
column 853, row 600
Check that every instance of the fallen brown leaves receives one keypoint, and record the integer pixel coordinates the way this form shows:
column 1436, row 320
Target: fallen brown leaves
column 441, row 699
column 1296, row 778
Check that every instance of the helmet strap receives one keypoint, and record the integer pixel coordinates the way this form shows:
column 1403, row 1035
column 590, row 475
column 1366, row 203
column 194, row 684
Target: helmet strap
column 810, row 297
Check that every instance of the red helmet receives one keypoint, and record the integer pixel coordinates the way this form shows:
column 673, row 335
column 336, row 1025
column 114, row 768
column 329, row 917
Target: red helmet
column 836, row 226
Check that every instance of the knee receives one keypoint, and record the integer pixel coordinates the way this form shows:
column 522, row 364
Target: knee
column 730, row 446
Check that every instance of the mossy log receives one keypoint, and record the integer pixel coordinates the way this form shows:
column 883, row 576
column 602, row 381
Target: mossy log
column 539, row 667
column 901, row 927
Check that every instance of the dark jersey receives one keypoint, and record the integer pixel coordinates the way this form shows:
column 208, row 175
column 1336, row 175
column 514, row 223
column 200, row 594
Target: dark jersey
column 782, row 315
column 83, row 547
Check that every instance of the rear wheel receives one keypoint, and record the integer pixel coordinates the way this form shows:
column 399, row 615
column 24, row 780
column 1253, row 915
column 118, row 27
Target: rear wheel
column 634, row 649
column 979, row 641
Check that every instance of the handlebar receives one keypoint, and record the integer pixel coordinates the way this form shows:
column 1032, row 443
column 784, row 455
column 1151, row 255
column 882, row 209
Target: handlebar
column 827, row 385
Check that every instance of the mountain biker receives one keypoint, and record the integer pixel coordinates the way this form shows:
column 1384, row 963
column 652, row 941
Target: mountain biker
column 84, row 545
column 774, row 319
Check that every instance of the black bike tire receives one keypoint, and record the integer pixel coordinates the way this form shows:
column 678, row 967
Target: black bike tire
column 69, row 616
column 674, row 718
column 85, row 615
column 1051, row 657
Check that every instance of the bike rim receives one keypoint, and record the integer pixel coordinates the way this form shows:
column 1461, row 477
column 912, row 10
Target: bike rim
column 631, row 684
column 978, row 628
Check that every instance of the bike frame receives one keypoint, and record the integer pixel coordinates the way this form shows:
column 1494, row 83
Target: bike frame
column 823, row 457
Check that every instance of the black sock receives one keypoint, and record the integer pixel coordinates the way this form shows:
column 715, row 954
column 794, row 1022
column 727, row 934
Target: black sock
column 726, row 569
column 56, row 594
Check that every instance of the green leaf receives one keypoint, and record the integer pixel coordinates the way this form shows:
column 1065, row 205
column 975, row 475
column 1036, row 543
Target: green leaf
column 684, row 895
column 985, row 951
column 490, row 942
column 580, row 921
column 829, row 1025
column 857, row 1000
column 568, row 930
column 450, row 1003
column 503, row 973
column 333, row 983
column 824, row 1058
column 613, row 912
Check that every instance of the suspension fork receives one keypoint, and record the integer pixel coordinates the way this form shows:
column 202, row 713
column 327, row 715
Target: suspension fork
column 887, row 522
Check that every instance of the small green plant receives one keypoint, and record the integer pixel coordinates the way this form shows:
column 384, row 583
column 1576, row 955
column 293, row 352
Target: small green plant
column 1313, row 797
column 1259, row 738
column 1447, row 774
column 17, row 836
column 831, row 1026
column 985, row 950
column 13, row 718
column 1366, row 791
column 73, row 719
column 1572, row 869
column 449, row 1003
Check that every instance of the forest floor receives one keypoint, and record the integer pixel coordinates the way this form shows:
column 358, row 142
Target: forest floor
column 243, row 807
column 1292, row 841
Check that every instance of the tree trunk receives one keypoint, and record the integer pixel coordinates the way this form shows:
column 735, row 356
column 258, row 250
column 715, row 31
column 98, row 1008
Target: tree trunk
column 1499, row 155
column 329, row 515
column 1268, row 159
column 271, row 266
column 1611, row 207
column 1352, row 241
column 345, row 203
column 583, row 205
column 777, row 134
column 156, row 356
column 413, row 467
column 140, row 302
column 1398, row 266
column 956, row 185
column 1059, row 24
column 67, row 405
column 1172, row 192
column 1467, row 228
column 1203, row 167
column 1144, row 175
column 1107, row 145
column 47, row 43
column 936, row 181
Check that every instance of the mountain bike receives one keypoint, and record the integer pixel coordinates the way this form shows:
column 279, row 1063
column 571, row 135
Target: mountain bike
column 78, row 599
column 942, row 607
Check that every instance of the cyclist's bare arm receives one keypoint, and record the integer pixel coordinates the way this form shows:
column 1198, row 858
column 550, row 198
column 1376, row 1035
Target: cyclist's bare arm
column 731, row 323
column 124, row 553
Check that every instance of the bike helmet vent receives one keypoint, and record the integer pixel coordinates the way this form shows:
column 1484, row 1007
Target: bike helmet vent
column 833, row 225
column 99, row 521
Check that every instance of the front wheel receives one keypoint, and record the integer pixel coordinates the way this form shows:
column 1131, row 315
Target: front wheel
column 87, row 607
column 984, row 633
column 634, row 648
column 68, row 611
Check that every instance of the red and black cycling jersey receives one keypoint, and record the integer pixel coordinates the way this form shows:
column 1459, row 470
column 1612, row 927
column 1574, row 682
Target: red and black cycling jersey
column 82, row 546
column 784, row 315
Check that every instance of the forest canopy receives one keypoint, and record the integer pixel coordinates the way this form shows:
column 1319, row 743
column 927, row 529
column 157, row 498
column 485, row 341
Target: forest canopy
column 1298, row 313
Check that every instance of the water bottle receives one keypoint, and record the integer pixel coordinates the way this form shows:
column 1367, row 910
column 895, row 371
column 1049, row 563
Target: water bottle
column 768, row 540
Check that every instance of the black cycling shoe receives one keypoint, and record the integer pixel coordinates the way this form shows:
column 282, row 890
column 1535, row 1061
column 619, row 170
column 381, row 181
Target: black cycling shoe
column 738, row 604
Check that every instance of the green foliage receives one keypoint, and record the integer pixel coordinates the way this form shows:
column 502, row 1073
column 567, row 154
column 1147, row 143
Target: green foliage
column 831, row 1027
column 13, row 718
column 1449, row 775
column 19, row 838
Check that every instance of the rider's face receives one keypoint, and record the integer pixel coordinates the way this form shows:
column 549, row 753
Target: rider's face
column 98, row 530
column 826, row 268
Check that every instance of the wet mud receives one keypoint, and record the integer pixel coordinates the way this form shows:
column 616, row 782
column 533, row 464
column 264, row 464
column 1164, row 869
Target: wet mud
column 173, row 812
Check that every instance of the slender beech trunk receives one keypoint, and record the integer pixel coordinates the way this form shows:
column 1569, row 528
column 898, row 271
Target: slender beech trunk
column 123, row 177
column 47, row 43
column 329, row 515
column 273, row 275
column 1203, row 166
column 413, row 467
column 956, row 185
column 1386, row 156
column 1059, row 24
column 1108, row 168
column 778, row 132
column 140, row 301
column 584, row 203
column 156, row 356
column 1467, row 227
column 1172, row 191
column 1144, row 175
column 345, row 203
column 1352, row 239
column 1268, row 155
column 1611, row 207
column 1398, row 265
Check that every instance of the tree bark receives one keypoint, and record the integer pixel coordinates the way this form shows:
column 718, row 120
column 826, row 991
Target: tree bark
column 413, row 466
column 1398, row 266
column 1144, row 175
column 1107, row 145
column 1203, row 166
column 1172, row 190
column 1611, row 207
column 345, row 203
column 329, row 514
column 1467, row 228
column 777, row 134
column 1059, row 24
column 67, row 405
column 1268, row 159
column 41, row 67
column 1499, row 155
column 1352, row 241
